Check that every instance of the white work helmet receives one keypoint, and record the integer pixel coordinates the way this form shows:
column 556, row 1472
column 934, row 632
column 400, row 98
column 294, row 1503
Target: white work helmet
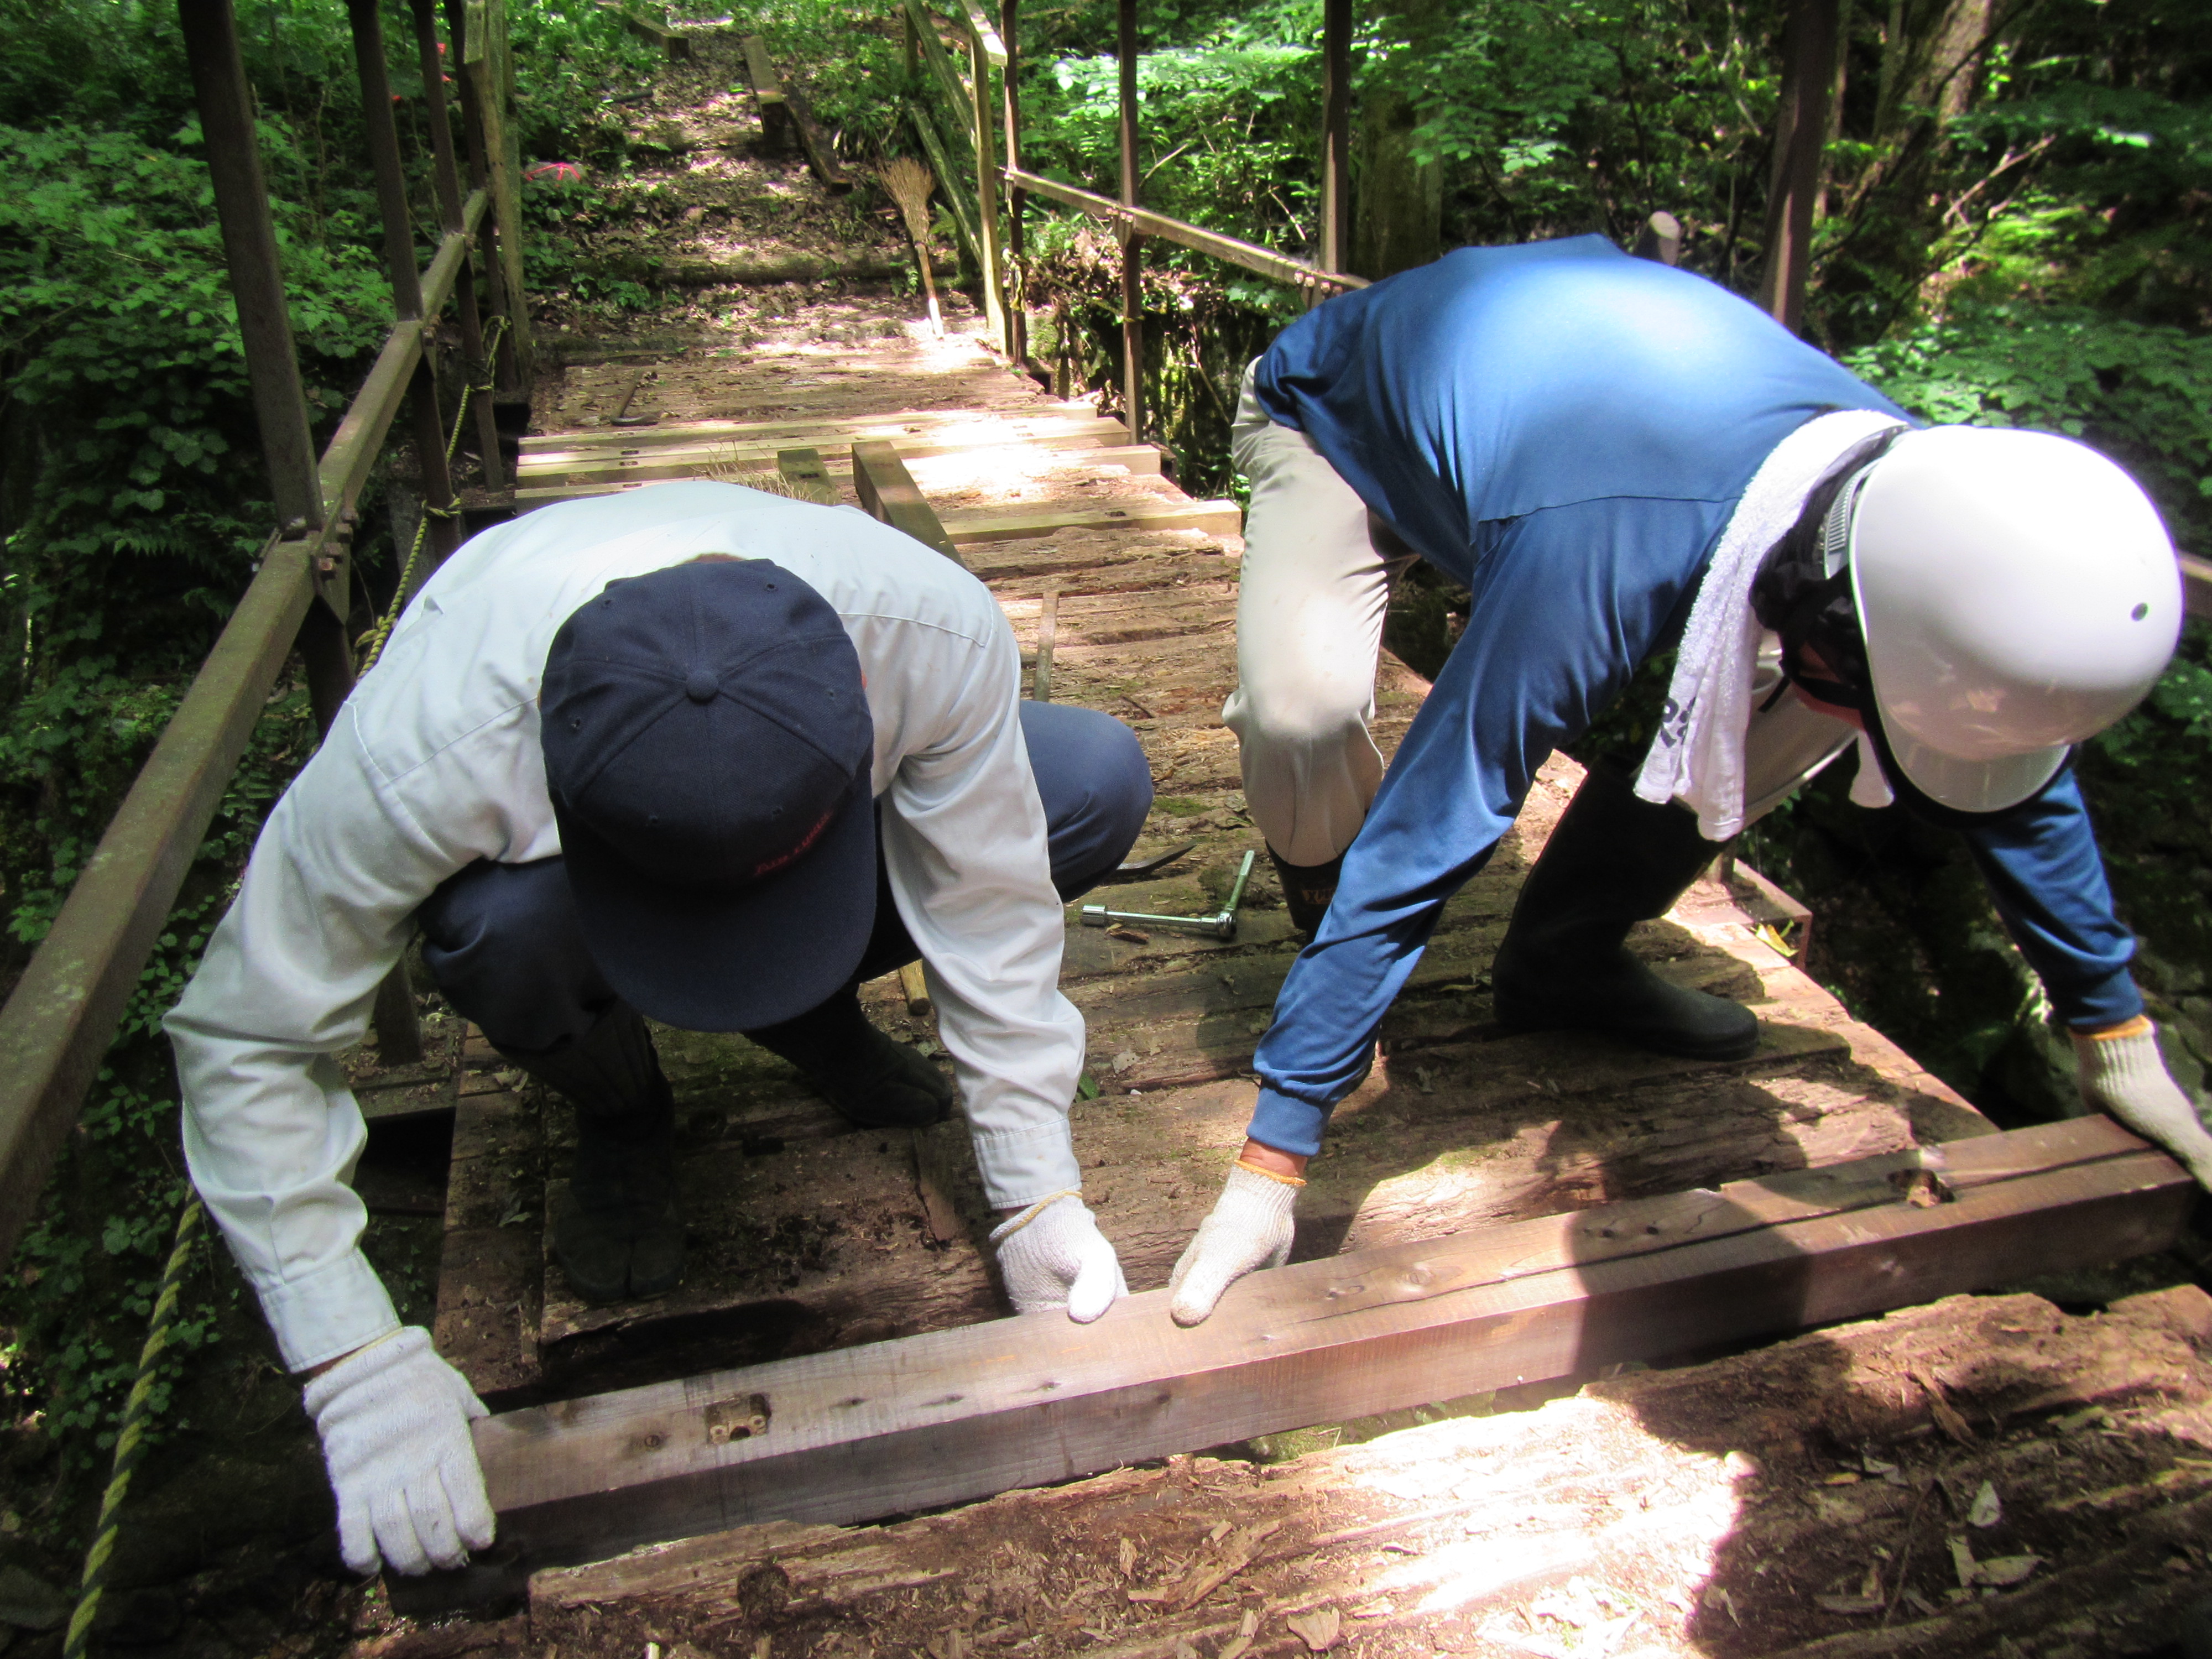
column 2017, row 594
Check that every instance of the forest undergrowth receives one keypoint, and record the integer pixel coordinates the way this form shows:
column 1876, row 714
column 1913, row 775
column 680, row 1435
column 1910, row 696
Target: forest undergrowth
column 2020, row 236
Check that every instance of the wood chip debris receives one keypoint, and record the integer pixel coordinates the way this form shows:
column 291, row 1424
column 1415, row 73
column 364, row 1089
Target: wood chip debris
column 1997, row 1572
column 1946, row 1415
column 1319, row 1629
column 1248, row 1628
column 1987, row 1508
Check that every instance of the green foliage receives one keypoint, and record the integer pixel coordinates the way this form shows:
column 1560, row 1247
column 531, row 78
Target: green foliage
column 2141, row 392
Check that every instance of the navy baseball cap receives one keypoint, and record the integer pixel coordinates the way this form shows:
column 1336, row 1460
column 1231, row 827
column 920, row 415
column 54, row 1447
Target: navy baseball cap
column 708, row 750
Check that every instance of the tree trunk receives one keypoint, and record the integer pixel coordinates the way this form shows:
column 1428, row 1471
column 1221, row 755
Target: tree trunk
column 1397, row 210
column 1931, row 60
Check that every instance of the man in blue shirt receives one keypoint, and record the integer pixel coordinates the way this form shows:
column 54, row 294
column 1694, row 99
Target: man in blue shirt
column 1610, row 453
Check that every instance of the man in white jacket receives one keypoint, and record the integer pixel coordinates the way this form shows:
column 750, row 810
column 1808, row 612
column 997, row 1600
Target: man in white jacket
column 696, row 753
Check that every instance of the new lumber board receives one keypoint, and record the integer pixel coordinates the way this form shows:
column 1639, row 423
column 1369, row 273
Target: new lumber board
column 952, row 1415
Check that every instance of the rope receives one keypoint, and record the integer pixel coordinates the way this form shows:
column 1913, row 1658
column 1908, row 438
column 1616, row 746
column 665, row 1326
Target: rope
column 450, row 509
column 130, row 1441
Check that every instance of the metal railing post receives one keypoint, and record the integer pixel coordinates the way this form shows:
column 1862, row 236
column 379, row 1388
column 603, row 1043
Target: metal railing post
column 482, row 117
column 398, row 1032
column 446, row 173
column 1017, row 316
column 1133, row 244
column 249, row 247
column 443, row 534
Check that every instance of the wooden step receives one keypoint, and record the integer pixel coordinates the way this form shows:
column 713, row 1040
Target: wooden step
column 939, row 1419
column 1606, row 1522
column 574, row 467
column 1020, row 523
column 900, row 427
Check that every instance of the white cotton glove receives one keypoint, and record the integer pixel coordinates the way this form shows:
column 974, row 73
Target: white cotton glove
column 1250, row 1227
column 2124, row 1075
column 1052, row 1255
column 394, row 1419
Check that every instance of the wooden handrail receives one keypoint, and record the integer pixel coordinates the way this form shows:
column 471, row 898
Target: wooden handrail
column 2197, row 585
column 58, row 1023
column 1284, row 268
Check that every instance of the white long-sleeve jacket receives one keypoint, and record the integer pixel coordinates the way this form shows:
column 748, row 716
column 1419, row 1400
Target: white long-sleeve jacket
column 434, row 762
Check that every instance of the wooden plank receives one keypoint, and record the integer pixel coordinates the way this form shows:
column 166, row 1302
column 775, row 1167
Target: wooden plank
column 675, row 45
column 948, row 83
column 2197, row 585
column 1017, row 524
column 1609, row 1511
column 887, row 492
column 951, row 428
column 767, row 93
column 686, row 461
column 490, row 1277
column 949, row 183
column 803, row 469
column 821, row 158
column 936, row 1418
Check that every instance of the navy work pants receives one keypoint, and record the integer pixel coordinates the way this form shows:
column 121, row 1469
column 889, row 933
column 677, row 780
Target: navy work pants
column 504, row 944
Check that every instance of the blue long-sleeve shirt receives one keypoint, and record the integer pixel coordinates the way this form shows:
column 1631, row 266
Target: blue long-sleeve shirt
column 1566, row 430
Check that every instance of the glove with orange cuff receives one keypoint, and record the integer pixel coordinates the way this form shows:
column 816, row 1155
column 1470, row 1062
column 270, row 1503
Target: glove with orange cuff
column 2123, row 1075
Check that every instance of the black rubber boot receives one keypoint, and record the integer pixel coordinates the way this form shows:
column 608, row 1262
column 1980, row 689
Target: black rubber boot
column 1307, row 889
column 1614, row 860
column 622, row 1236
column 875, row 1081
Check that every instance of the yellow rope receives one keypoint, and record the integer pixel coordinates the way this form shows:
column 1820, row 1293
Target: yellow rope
column 130, row 1441
column 399, row 594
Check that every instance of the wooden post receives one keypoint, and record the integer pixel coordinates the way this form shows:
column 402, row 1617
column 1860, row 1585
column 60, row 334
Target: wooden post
column 1133, row 246
column 446, row 170
column 1335, row 134
column 1017, row 316
column 481, row 62
column 468, row 85
column 913, row 53
column 986, row 200
column 249, row 247
column 442, row 535
column 1808, row 44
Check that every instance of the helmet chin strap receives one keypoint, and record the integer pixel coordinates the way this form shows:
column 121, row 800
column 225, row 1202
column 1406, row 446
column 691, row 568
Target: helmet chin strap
column 1804, row 591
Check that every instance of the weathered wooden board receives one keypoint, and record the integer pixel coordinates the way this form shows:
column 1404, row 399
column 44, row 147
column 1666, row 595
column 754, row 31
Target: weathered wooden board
column 916, row 431
column 1023, row 523
column 1799, row 1500
column 955, row 1415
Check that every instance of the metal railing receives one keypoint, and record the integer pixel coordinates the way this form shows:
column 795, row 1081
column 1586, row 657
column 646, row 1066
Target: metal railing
column 64, row 1010
column 975, row 215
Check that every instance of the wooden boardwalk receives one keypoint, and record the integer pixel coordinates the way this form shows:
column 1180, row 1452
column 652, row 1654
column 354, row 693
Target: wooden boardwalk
column 808, row 1236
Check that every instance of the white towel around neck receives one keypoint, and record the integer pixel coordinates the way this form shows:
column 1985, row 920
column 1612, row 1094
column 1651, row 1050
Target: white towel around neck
column 1697, row 755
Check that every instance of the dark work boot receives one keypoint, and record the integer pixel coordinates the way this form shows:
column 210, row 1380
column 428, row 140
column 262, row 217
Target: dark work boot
column 622, row 1236
column 1307, row 889
column 875, row 1081
column 1614, row 860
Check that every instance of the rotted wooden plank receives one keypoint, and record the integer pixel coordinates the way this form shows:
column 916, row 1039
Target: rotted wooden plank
column 906, row 1424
